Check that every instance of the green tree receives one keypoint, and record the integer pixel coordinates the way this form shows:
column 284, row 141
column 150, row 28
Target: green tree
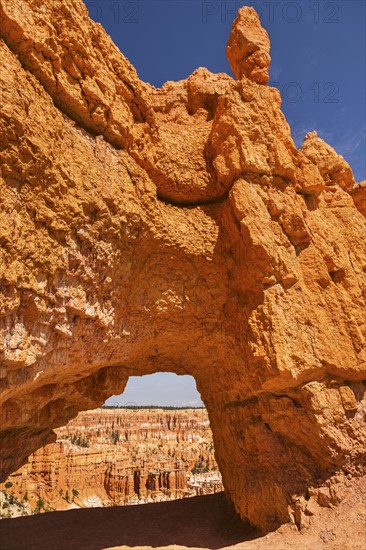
column 115, row 437
column 8, row 484
column 197, row 468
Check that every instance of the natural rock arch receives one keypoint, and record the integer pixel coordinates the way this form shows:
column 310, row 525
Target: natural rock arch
column 177, row 229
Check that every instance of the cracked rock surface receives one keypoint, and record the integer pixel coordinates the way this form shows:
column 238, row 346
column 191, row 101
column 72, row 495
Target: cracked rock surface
column 177, row 229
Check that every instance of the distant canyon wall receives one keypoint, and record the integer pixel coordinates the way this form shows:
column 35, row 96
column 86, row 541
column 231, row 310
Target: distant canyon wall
column 118, row 457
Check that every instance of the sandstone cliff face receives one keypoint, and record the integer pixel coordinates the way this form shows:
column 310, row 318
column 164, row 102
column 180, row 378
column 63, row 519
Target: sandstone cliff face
column 177, row 229
column 119, row 457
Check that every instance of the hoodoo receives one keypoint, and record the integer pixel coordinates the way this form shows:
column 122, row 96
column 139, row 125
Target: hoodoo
column 178, row 229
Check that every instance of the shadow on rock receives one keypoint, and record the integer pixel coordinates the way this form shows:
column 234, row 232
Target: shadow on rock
column 205, row 522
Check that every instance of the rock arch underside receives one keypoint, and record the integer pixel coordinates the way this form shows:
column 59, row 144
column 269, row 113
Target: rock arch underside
column 177, row 229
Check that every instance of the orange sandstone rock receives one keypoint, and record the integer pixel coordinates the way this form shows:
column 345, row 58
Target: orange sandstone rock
column 332, row 167
column 176, row 229
column 248, row 47
column 359, row 196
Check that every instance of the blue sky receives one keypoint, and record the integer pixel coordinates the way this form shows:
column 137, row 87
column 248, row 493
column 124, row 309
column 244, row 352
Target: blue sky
column 317, row 49
column 318, row 63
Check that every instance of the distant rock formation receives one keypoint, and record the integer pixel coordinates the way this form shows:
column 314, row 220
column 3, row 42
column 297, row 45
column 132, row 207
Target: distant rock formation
column 120, row 456
column 177, row 229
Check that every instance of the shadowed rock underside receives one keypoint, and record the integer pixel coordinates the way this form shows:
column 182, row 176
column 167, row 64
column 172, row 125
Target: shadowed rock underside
column 177, row 229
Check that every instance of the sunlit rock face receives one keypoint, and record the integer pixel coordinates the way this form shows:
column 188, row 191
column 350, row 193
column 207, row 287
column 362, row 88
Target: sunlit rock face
column 177, row 229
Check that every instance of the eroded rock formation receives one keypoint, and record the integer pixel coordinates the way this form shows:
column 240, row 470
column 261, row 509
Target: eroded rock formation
column 111, row 457
column 177, row 229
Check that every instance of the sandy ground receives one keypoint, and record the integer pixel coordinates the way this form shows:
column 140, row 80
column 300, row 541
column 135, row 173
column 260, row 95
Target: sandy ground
column 198, row 523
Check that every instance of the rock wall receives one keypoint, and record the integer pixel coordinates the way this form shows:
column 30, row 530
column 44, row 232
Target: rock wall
column 112, row 457
column 177, row 229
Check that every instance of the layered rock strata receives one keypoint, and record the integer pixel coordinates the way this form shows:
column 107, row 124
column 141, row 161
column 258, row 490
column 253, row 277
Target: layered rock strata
column 177, row 229
column 119, row 456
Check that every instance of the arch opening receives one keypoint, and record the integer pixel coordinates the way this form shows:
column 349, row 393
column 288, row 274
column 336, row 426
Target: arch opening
column 152, row 443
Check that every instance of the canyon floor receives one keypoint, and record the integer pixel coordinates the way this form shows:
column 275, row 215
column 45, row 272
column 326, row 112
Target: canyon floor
column 204, row 522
